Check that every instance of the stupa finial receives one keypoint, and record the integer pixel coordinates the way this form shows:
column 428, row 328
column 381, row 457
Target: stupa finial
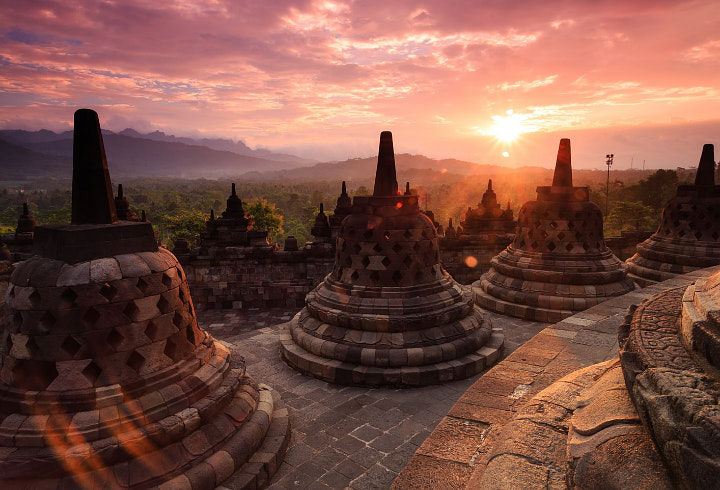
column 92, row 196
column 385, row 177
column 563, row 166
column 706, row 168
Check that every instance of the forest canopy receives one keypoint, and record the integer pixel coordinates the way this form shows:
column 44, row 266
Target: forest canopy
column 179, row 208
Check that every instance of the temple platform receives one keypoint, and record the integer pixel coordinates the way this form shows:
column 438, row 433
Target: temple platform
column 360, row 437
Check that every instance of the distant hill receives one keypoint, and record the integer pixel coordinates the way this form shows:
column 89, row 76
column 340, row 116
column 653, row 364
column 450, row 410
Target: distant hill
column 18, row 163
column 416, row 169
column 38, row 154
column 221, row 145
column 45, row 154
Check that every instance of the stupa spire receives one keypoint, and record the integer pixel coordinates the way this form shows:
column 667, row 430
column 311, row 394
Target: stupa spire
column 563, row 166
column 706, row 168
column 92, row 196
column 385, row 177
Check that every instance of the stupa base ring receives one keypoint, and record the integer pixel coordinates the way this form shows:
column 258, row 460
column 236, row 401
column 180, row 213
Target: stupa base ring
column 351, row 374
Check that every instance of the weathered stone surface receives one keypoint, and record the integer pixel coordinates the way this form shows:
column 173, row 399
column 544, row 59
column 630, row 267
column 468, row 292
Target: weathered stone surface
column 626, row 461
column 667, row 348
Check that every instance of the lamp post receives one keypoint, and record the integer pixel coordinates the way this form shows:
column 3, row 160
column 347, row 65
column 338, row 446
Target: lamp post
column 608, row 162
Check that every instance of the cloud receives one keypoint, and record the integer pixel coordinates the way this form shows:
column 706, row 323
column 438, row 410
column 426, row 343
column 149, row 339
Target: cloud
column 300, row 72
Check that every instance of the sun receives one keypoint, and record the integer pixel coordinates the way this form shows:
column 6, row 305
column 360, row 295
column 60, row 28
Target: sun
column 507, row 128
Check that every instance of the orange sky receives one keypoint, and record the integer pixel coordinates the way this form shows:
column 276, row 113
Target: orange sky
column 639, row 79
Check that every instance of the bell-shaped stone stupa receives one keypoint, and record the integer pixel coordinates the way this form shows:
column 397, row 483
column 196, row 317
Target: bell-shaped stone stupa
column 487, row 218
column 342, row 209
column 107, row 381
column 688, row 237
column 558, row 263
column 389, row 314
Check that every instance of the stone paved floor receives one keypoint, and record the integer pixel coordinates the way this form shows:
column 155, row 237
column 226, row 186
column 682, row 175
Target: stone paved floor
column 343, row 437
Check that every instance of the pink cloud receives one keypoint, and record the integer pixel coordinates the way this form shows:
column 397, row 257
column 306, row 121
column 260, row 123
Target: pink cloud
column 310, row 71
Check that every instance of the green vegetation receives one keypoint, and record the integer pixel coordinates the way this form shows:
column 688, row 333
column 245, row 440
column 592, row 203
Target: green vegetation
column 180, row 208
column 266, row 217
column 638, row 206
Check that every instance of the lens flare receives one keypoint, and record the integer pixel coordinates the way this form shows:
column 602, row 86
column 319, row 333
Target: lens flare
column 471, row 261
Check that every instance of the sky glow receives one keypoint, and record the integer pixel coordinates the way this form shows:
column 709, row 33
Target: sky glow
column 323, row 79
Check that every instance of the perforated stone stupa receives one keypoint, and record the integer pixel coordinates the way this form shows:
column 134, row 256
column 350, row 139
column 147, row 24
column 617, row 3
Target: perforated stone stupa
column 106, row 380
column 231, row 230
column 388, row 313
column 20, row 243
column 342, row 209
column 688, row 237
column 487, row 217
column 558, row 263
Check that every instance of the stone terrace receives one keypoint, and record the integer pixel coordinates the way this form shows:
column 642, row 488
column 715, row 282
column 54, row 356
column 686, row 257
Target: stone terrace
column 418, row 438
column 343, row 436
column 456, row 453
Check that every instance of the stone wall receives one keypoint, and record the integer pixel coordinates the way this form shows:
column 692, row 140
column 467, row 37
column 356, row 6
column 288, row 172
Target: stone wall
column 242, row 279
column 5, row 272
column 624, row 246
column 250, row 277
column 467, row 260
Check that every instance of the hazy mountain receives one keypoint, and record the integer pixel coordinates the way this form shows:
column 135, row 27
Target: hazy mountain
column 18, row 163
column 221, row 145
column 47, row 154
column 130, row 156
column 22, row 138
column 416, row 169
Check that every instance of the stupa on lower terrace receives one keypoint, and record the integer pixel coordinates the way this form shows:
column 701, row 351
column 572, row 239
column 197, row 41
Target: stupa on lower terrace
column 107, row 381
column 558, row 263
column 231, row 230
column 688, row 237
column 122, row 207
column 389, row 314
column 342, row 209
column 20, row 243
column 487, row 218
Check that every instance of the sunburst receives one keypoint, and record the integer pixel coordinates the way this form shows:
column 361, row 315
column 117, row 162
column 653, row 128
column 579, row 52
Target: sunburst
column 507, row 128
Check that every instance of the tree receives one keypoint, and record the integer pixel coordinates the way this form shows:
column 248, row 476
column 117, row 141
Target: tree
column 185, row 224
column 657, row 189
column 266, row 217
column 362, row 191
column 626, row 215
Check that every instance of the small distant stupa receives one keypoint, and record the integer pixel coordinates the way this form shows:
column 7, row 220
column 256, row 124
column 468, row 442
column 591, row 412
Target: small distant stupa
column 232, row 229
column 487, row 217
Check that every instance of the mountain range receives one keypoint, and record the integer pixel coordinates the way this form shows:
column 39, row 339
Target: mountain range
column 44, row 154
column 31, row 154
